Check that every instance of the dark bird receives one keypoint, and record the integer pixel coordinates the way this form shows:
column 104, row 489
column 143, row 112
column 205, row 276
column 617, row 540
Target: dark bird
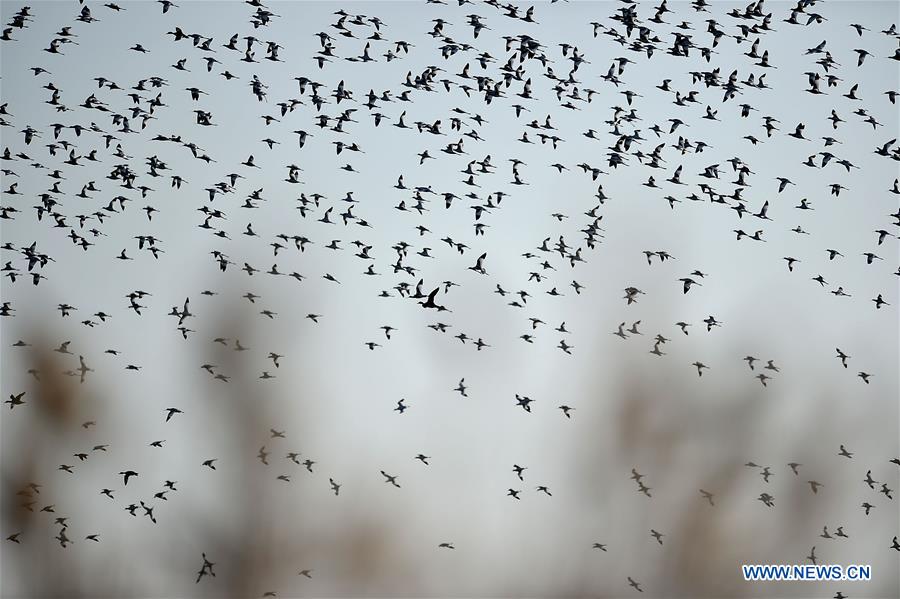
column 127, row 474
column 390, row 479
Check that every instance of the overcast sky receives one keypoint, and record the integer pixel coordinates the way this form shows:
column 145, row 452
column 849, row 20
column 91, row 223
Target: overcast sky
column 334, row 398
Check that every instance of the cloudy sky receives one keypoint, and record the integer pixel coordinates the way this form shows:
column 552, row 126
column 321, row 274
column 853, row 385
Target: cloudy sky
column 334, row 397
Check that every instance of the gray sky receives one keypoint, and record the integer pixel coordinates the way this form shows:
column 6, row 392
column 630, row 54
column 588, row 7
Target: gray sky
column 334, row 397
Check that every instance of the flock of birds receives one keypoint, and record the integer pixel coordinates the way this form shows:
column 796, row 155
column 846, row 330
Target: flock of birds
column 121, row 127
